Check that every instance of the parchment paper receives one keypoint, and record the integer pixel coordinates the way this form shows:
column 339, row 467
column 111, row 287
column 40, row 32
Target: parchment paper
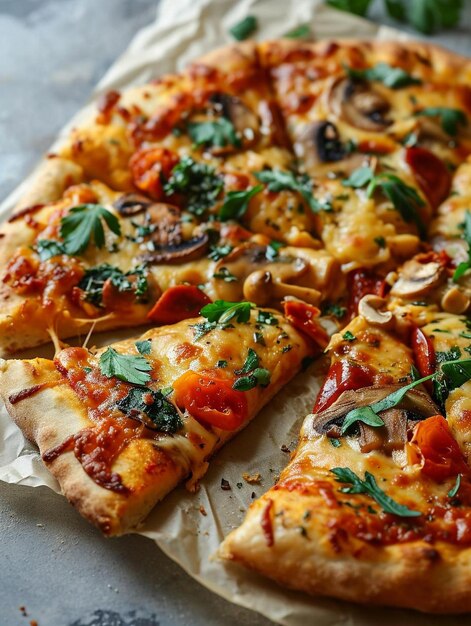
column 189, row 528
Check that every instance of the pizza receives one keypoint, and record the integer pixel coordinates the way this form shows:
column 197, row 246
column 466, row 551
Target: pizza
column 242, row 208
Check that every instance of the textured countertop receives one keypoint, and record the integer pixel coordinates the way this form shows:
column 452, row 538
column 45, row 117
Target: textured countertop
column 53, row 563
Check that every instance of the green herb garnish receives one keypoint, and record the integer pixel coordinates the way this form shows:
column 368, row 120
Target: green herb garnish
column 236, row 203
column 223, row 312
column 300, row 32
column 48, row 248
column 348, row 336
column 369, row 487
column 265, row 317
column 404, row 198
column 217, row 133
column 450, row 119
column 94, row 280
column 144, row 347
column 127, row 367
column 163, row 415
column 243, row 29
column 84, row 223
column 392, row 77
column 279, row 180
column 464, row 266
column 225, row 275
column 198, row 182
column 219, row 252
column 454, row 490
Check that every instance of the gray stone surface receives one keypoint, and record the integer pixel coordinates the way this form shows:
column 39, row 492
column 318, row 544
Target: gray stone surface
column 52, row 52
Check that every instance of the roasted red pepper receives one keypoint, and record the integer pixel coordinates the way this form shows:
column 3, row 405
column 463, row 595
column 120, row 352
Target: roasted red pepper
column 303, row 317
column 178, row 303
column 342, row 376
column 431, row 174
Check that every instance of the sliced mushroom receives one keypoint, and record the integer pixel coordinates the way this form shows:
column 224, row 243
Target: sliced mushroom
column 417, row 279
column 455, row 301
column 320, row 143
column 182, row 252
column 357, row 103
column 166, row 225
column 244, row 120
column 262, row 288
column 371, row 308
column 415, row 405
column 131, row 204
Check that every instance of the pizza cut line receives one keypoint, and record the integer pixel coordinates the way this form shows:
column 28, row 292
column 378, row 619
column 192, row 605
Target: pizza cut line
column 235, row 207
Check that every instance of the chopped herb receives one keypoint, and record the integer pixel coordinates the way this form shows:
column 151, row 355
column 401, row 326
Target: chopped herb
column 454, row 490
column 222, row 311
column 243, row 29
column 259, row 376
column 225, row 275
column 87, row 370
column 348, row 336
column 202, row 328
column 335, row 442
column 335, row 310
column 236, row 203
column 380, row 241
column 259, row 338
column 95, row 278
column 464, row 266
column 251, row 362
column 222, row 363
column 131, row 369
column 404, row 198
column 48, row 248
column 84, row 223
column 215, row 133
column 278, row 180
column 392, row 77
column 363, row 414
column 273, row 250
column 265, row 317
column 450, row 118
column 453, row 354
column 300, row 32
column 144, row 347
column 219, row 252
column 166, row 391
column 154, row 405
column 369, row 487
column 198, row 182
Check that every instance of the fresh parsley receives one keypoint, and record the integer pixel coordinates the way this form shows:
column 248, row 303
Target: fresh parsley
column 456, row 487
column 198, row 182
column 144, row 347
column 84, row 223
column 265, row 317
column 392, row 77
column 243, row 29
column 404, row 198
column 127, row 367
column 223, row 312
column 236, row 203
column 464, row 266
column 255, row 375
column 217, row 133
column 162, row 414
column 348, row 336
column 48, row 248
column 369, row 486
column 450, row 119
column 335, row 310
column 94, row 280
column 279, row 180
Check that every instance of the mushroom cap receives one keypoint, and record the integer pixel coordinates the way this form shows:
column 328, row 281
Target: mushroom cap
column 417, row 279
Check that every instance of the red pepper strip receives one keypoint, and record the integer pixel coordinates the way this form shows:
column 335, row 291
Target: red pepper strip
column 177, row 304
column 149, row 167
column 431, row 174
column 424, row 352
column 211, row 400
column 363, row 282
column 434, row 446
column 303, row 317
column 342, row 376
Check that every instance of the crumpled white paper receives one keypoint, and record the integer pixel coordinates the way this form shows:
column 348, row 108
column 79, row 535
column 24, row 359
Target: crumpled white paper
column 189, row 527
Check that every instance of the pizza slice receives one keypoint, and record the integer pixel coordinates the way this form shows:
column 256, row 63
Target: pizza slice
column 122, row 426
column 375, row 505
column 377, row 127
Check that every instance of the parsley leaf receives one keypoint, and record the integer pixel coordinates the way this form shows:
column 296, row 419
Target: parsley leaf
column 48, row 248
column 335, row 310
column 223, row 312
column 225, row 275
column 144, row 347
column 202, row 328
column 219, row 252
column 392, row 77
column 348, row 336
column 279, row 180
column 94, row 280
column 404, row 198
column 363, row 414
column 218, row 133
column 454, row 490
column 464, row 266
column 127, row 367
column 259, row 376
column 243, row 29
column 251, row 362
column 265, row 317
column 162, row 414
column 450, row 118
column 198, row 182
column 236, row 203
column 369, row 487
column 84, row 223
